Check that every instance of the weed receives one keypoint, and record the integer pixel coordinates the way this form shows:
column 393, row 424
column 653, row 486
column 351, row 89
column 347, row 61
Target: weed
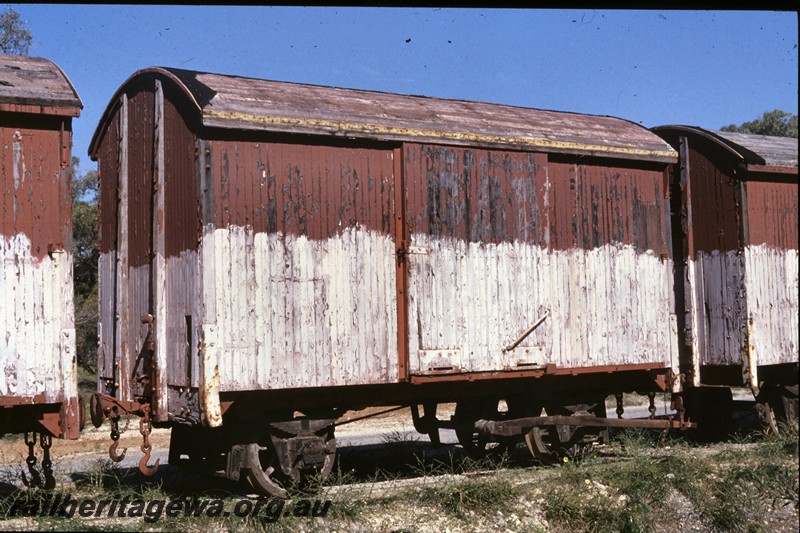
column 99, row 473
column 636, row 441
column 726, row 506
column 399, row 438
column 583, row 454
column 350, row 496
column 482, row 496
column 782, row 444
column 590, row 508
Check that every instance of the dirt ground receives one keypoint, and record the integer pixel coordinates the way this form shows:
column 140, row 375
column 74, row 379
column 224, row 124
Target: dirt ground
column 392, row 449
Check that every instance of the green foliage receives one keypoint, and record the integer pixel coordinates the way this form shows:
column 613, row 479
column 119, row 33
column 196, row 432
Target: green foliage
column 481, row 496
column 776, row 123
column 782, row 444
column 85, row 254
column 744, row 487
column 15, row 38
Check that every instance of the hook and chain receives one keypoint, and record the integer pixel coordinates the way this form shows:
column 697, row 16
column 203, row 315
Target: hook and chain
column 105, row 406
column 35, row 481
column 46, row 442
column 145, row 428
column 113, row 419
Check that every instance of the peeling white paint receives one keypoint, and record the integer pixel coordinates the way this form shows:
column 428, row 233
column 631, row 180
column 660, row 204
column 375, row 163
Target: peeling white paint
column 718, row 306
column 771, row 282
column 743, row 308
column 323, row 313
column 18, row 166
column 37, row 344
column 608, row 306
column 293, row 312
column 209, row 386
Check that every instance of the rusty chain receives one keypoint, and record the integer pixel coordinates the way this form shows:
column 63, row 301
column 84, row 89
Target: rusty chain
column 145, row 428
column 113, row 417
column 651, row 396
column 46, row 441
column 36, row 479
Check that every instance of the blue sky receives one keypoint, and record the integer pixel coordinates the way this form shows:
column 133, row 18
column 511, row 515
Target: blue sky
column 704, row 68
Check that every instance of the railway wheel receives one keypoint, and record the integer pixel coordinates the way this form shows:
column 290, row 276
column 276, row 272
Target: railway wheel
column 260, row 471
column 544, row 444
column 548, row 444
column 468, row 412
column 291, row 454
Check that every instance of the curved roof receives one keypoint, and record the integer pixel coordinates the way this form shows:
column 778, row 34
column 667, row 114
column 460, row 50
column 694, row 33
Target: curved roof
column 748, row 148
column 232, row 102
column 36, row 81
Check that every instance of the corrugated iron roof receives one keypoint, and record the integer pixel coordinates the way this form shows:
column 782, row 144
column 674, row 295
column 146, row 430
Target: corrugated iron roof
column 232, row 102
column 747, row 148
column 36, row 81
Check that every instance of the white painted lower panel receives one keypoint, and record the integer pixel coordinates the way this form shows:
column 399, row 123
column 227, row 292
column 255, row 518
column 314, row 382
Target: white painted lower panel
column 607, row 306
column 37, row 332
column 771, row 282
column 744, row 304
column 294, row 312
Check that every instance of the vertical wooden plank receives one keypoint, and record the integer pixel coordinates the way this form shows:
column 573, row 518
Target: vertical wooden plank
column 207, row 279
column 64, row 276
column 122, row 348
column 263, row 337
column 692, row 293
column 158, row 265
column 251, row 317
column 7, row 289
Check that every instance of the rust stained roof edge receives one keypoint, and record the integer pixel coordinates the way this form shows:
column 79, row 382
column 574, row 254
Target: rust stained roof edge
column 236, row 120
column 71, row 86
column 76, row 103
column 232, row 120
column 229, row 120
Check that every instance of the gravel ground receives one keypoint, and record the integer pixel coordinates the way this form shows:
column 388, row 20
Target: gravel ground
column 391, row 481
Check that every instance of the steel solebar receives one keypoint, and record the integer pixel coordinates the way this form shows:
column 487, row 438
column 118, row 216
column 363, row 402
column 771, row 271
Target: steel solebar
column 521, row 426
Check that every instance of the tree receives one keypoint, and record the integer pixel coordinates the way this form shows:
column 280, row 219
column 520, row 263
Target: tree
column 776, row 123
column 15, row 38
column 85, row 256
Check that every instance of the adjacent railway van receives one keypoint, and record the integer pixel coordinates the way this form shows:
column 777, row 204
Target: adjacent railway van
column 38, row 378
column 735, row 229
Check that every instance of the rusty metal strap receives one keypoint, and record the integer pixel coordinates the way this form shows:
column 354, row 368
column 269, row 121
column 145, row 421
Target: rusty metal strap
column 527, row 332
column 371, row 415
column 523, row 425
column 103, row 405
